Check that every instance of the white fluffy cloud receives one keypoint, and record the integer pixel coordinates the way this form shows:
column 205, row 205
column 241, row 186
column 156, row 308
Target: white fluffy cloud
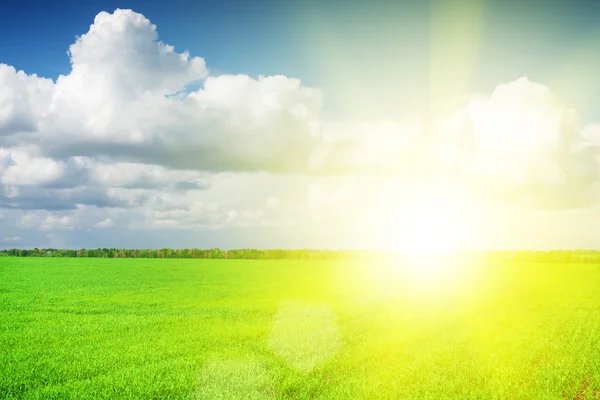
column 122, row 141
column 24, row 100
column 122, row 51
column 126, row 98
column 522, row 142
column 20, row 167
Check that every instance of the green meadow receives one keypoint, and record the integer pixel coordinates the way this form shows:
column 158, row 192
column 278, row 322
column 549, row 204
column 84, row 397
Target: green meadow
column 275, row 329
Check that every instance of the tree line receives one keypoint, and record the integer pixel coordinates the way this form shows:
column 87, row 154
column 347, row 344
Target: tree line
column 215, row 253
column 566, row 256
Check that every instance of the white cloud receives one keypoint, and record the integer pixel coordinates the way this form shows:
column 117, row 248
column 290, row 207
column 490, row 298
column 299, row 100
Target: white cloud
column 519, row 128
column 122, row 51
column 22, row 168
column 115, row 102
column 24, row 100
column 53, row 222
column 137, row 175
column 383, row 147
column 522, row 142
column 591, row 134
column 47, row 222
column 12, row 239
column 105, row 223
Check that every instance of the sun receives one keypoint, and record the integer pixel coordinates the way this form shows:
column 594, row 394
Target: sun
column 425, row 223
column 426, row 229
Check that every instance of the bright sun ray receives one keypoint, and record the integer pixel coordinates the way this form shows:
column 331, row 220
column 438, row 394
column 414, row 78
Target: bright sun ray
column 434, row 220
column 425, row 228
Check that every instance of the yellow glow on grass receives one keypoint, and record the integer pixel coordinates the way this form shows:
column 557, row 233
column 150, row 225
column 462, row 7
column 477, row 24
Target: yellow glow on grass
column 416, row 278
column 432, row 273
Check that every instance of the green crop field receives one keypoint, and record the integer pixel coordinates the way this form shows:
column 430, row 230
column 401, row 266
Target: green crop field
column 268, row 329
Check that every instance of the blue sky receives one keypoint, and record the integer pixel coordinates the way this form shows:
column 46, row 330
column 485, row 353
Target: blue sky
column 409, row 112
column 35, row 36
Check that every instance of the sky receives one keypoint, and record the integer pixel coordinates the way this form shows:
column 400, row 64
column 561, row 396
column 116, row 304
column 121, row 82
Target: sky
column 422, row 125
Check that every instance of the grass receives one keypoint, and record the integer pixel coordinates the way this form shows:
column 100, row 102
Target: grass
column 234, row 329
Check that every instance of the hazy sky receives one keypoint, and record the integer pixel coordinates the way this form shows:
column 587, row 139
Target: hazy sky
column 340, row 124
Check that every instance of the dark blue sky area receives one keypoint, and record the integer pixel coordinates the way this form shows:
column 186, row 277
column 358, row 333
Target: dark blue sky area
column 231, row 35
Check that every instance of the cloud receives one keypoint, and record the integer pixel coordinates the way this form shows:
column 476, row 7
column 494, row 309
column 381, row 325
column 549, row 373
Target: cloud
column 143, row 176
column 12, row 239
column 522, row 143
column 385, row 147
column 126, row 99
column 105, row 223
column 48, row 222
column 33, row 182
column 40, row 198
column 19, row 167
column 201, row 130
column 24, row 100
column 122, row 51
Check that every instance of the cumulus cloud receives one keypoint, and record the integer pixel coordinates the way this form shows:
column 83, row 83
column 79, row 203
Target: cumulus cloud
column 126, row 98
column 24, row 100
column 523, row 143
column 122, row 50
column 19, row 167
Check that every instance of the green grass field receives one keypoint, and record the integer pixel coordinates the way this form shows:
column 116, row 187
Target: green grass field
column 233, row 329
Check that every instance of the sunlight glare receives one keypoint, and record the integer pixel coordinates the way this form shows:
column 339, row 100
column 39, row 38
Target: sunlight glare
column 429, row 222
